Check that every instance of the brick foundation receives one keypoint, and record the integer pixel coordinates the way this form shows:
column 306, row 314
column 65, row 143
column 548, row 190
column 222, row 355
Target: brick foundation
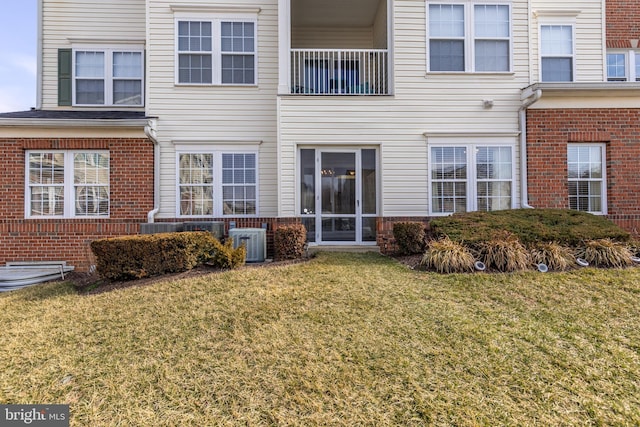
column 385, row 239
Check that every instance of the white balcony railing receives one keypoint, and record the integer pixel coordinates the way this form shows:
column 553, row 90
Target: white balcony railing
column 339, row 71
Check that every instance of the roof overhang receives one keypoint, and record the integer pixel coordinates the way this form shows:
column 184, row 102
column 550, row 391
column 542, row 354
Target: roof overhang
column 71, row 123
column 74, row 119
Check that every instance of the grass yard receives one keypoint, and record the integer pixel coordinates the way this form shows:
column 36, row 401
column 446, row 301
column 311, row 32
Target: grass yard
column 342, row 340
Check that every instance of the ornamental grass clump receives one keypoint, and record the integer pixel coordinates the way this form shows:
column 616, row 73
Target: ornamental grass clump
column 504, row 252
column 553, row 255
column 447, row 256
column 605, row 253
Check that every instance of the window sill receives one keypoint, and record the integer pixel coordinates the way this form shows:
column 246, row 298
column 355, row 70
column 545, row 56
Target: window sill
column 103, row 106
column 215, row 217
column 216, row 85
column 58, row 218
column 471, row 73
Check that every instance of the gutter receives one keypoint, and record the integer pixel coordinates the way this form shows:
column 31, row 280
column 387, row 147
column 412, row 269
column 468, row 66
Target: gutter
column 151, row 131
column 39, row 54
column 529, row 97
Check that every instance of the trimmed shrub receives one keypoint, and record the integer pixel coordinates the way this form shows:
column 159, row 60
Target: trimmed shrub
column 605, row 253
column 447, row 256
column 135, row 257
column 409, row 237
column 568, row 227
column 554, row 255
column 504, row 252
column 226, row 256
column 289, row 241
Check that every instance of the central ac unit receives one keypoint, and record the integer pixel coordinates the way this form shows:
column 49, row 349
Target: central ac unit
column 160, row 227
column 214, row 227
column 255, row 239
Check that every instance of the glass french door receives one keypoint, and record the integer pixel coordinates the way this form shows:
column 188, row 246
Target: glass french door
column 338, row 195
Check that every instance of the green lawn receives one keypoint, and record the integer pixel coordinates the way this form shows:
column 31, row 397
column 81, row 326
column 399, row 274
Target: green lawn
column 341, row 340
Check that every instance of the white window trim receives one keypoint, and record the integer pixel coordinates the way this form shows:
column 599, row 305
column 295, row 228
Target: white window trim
column 554, row 21
column 108, row 76
column 469, row 37
column 629, row 64
column 217, row 153
column 68, row 186
column 216, row 45
column 603, row 181
column 472, row 179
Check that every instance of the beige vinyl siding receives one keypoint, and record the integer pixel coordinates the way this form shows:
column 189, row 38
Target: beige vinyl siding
column 209, row 115
column 96, row 22
column 589, row 33
column 331, row 38
column 435, row 103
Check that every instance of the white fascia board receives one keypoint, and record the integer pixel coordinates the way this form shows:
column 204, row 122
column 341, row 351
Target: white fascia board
column 69, row 123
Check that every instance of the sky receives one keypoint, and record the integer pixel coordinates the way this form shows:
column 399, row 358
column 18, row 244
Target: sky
column 18, row 64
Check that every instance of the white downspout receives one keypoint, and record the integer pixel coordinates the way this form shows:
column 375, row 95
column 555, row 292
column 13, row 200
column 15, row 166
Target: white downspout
column 522, row 112
column 150, row 131
column 39, row 55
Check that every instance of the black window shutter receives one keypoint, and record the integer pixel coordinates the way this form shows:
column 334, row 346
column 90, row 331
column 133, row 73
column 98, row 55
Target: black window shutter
column 64, row 77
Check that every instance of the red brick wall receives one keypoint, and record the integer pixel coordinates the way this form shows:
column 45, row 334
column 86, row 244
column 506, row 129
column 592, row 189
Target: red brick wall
column 623, row 22
column 549, row 131
column 131, row 184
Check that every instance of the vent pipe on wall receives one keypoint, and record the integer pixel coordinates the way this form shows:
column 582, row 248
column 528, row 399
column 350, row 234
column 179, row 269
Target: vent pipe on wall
column 530, row 98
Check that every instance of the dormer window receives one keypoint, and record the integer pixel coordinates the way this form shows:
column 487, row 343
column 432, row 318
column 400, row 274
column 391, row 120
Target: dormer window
column 108, row 77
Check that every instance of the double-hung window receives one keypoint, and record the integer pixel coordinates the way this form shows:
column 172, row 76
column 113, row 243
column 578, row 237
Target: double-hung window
column 110, row 77
column 216, row 51
column 623, row 66
column 471, row 177
column 469, row 37
column 67, row 184
column 217, row 183
column 556, row 53
column 585, row 167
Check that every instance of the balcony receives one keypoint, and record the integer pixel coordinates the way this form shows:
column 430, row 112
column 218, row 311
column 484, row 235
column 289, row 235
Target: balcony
column 336, row 47
column 339, row 71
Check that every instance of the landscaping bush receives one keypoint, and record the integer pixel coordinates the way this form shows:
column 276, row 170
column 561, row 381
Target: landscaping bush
column 447, row 256
column 135, row 257
column 504, row 252
column 409, row 237
column 226, row 256
column 568, row 227
column 553, row 255
column 605, row 253
column 289, row 241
